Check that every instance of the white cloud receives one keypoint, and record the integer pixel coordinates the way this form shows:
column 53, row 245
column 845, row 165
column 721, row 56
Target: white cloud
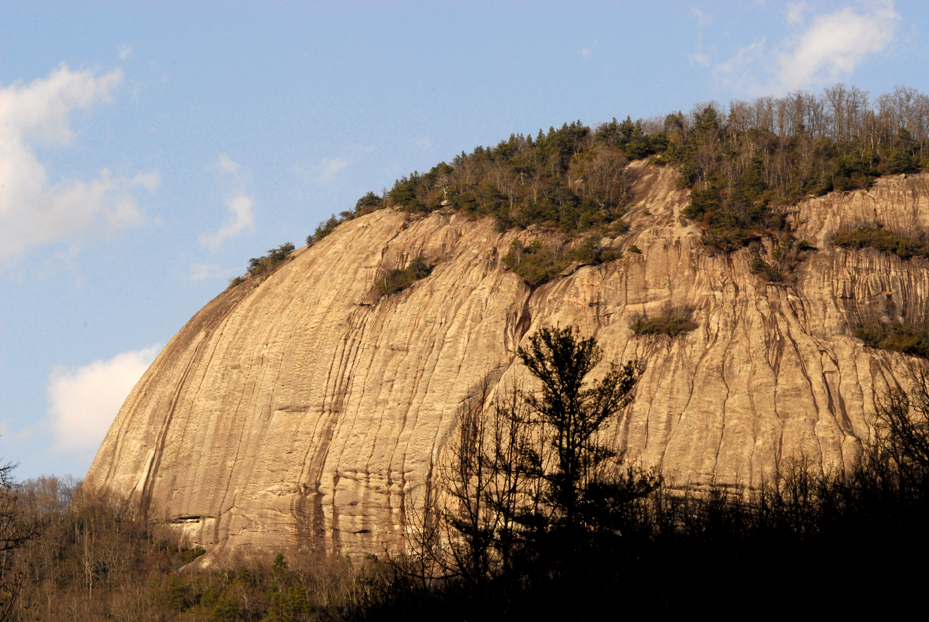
column 795, row 13
column 700, row 59
column 703, row 19
column 239, row 206
column 738, row 71
column 203, row 271
column 125, row 51
column 327, row 171
column 34, row 209
column 835, row 44
column 588, row 51
column 228, row 166
column 83, row 402
column 22, row 434
column 828, row 50
column 323, row 172
column 331, row 167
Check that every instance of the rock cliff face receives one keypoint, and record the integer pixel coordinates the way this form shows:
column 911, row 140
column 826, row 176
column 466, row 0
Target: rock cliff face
column 306, row 410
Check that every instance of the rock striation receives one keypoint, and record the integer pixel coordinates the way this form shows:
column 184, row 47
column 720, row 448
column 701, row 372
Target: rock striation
column 306, row 410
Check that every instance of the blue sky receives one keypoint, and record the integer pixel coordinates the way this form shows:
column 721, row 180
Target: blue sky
column 147, row 152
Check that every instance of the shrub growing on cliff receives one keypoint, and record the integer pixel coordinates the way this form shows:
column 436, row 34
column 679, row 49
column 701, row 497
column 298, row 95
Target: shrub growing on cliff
column 590, row 252
column 896, row 337
column 672, row 324
column 262, row 267
column 783, row 260
column 885, row 241
column 536, row 263
column 765, row 270
column 400, row 278
column 266, row 264
column 541, row 262
column 328, row 226
column 367, row 204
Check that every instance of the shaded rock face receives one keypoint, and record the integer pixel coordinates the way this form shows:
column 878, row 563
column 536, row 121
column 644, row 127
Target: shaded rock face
column 306, row 411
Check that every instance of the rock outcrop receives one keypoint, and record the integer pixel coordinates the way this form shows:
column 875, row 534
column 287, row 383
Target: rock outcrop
column 307, row 410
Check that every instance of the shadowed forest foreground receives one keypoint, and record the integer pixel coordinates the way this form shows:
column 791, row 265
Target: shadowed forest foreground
column 536, row 521
column 822, row 544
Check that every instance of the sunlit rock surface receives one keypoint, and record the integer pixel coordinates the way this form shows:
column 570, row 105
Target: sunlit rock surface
column 306, row 411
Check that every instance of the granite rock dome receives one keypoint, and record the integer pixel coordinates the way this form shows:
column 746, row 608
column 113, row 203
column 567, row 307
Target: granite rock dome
column 305, row 410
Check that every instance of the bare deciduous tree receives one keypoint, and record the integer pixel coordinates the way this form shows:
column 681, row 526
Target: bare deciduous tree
column 15, row 531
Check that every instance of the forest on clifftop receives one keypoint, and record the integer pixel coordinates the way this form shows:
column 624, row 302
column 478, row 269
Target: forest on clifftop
column 741, row 162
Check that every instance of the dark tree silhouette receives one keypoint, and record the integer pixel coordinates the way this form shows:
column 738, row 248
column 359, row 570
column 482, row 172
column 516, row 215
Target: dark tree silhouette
column 571, row 412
